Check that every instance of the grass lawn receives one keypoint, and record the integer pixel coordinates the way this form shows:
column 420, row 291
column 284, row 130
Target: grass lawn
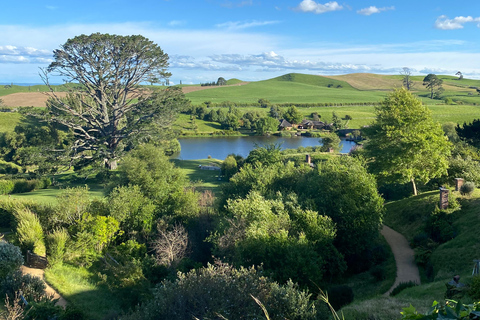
column 77, row 285
column 8, row 121
column 203, row 179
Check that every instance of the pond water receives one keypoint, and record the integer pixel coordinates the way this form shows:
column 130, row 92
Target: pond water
column 221, row 147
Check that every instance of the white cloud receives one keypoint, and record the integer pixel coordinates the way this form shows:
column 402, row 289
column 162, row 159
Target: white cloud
column 444, row 23
column 177, row 23
column 312, row 6
column 372, row 9
column 238, row 25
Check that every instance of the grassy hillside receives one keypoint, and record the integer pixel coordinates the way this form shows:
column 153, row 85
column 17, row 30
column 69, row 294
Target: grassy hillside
column 408, row 216
column 293, row 88
column 356, row 87
column 233, row 81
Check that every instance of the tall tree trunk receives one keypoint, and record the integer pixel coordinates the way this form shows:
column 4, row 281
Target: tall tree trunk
column 414, row 187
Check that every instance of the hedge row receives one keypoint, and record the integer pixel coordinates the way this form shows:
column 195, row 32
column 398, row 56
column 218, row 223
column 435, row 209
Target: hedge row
column 23, row 185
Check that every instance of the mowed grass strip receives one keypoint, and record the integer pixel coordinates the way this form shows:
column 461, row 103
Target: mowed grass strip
column 203, row 179
column 78, row 286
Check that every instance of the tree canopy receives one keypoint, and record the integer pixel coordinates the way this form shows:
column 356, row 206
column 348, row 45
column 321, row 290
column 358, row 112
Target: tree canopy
column 404, row 142
column 434, row 84
column 108, row 109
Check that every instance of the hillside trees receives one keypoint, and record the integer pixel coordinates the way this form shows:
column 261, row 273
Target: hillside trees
column 405, row 145
column 434, row 84
column 108, row 109
column 293, row 115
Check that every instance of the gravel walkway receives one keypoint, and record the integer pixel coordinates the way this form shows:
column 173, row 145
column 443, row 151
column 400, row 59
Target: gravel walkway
column 407, row 269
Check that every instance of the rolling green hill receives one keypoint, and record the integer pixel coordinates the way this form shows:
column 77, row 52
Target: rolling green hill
column 290, row 88
column 350, row 88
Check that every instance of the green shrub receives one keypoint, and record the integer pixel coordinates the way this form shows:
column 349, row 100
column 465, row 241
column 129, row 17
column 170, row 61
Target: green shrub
column 10, row 258
column 440, row 226
column 474, row 288
column 402, row 286
column 222, row 291
column 340, row 296
column 9, row 167
column 378, row 272
column 6, row 186
column 22, row 185
column 45, row 309
column 33, row 288
column 467, row 188
column 29, row 231
column 56, row 245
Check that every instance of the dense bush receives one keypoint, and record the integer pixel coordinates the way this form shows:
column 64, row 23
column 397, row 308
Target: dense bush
column 467, row 188
column 56, row 245
column 33, row 288
column 9, row 167
column 29, row 231
column 10, row 258
column 474, row 288
column 340, row 296
column 6, row 186
column 222, row 291
column 440, row 226
column 378, row 272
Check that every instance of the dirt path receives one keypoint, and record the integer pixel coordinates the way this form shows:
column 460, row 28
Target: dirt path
column 39, row 273
column 407, row 269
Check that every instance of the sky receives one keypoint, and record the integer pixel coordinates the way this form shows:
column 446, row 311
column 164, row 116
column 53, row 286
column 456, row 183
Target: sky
column 254, row 39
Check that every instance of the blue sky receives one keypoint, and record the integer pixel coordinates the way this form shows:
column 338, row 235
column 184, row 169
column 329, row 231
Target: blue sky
column 255, row 39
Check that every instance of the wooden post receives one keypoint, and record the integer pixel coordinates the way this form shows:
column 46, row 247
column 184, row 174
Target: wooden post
column 458, row 183
column 444, row 198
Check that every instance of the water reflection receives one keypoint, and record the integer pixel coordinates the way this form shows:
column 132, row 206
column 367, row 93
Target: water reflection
column 220, row 147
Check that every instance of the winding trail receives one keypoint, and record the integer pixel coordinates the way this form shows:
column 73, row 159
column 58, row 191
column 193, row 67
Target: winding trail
column 39, row 273
column 407, row 269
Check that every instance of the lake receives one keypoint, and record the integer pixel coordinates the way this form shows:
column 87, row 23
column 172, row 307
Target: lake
column 221, row 147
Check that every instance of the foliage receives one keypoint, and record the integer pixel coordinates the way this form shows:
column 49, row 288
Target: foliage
column 135, row 212
column 221, row 291
column 450, row 310
column 158, row 179
column 470, row 132
column 72, row 203
column 464, row 167
column 33, row 288
column 467, row 188
column 29, row 231
column 266, row 125
column 330, row 140
column 405, row 144
column 293, row 115
column 291, row 243
column 434, row 85
column 402, row 286
column 339, row 188
column 56, row 245
column 10, row 258
column 340, row 296
column 6, row 186
column 474, row 287
column 108, row 110
column 266, row 155
column 229, row 167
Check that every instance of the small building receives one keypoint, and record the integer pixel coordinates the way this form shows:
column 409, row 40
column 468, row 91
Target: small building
column 310, row 124
column 285, row 125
